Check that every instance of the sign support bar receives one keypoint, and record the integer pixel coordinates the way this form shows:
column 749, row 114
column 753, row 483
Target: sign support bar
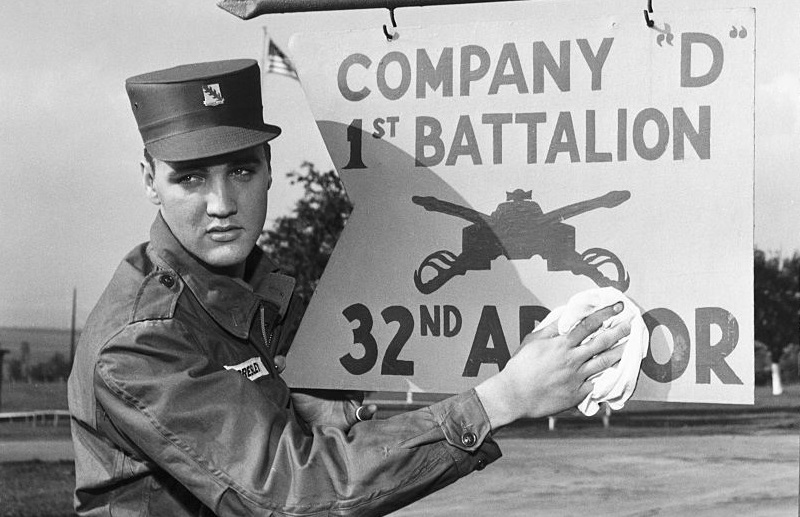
column 247, row 9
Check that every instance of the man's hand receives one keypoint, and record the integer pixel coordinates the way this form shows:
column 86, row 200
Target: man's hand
column 549, row 373
column 335, row 408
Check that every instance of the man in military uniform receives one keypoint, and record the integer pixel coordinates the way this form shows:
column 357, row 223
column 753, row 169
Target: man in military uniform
column 177, row 403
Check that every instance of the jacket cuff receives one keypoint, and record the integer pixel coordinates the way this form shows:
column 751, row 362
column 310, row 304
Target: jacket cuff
column 465, row 425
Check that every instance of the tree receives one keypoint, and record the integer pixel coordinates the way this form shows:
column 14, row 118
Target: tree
column 790, row 362
column 25, row 358
column 55, row 368
column 302, row 242
column 777, row 302
column 762, row 363
column 15, row 369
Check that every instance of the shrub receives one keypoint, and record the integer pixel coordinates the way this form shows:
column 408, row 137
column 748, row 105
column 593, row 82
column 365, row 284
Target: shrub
column 789, row 363
column 762, row 363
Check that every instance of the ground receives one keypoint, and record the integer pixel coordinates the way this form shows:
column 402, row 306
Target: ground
column 670, row 460
column 677, row 475
column 574, row 473
column 36, row 489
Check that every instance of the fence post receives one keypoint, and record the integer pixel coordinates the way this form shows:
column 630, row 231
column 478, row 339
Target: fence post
column 2, row 353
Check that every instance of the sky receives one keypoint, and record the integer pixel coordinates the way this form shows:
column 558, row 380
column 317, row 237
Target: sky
column 71, row 199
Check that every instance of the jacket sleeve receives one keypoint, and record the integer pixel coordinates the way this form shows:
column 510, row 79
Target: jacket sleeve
column 241, row 452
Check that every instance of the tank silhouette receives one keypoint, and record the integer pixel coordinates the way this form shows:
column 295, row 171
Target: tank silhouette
column 518, row 229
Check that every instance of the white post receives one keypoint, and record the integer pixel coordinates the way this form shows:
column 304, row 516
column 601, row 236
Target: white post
column 777, row 387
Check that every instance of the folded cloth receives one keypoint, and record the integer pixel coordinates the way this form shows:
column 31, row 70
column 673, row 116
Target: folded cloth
column 615, row 384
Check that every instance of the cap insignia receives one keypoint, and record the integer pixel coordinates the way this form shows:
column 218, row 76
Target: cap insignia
column 212, row 96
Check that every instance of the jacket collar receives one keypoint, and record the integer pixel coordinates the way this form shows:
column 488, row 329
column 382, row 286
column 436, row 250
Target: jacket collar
column 231, row 302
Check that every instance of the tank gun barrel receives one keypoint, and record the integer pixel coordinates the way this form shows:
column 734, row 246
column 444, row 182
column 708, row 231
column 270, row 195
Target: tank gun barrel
column 433, row 204
column 610, row 200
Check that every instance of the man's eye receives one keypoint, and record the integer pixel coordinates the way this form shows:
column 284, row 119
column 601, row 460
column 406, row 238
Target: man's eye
column 242, row 173
column 189, row 179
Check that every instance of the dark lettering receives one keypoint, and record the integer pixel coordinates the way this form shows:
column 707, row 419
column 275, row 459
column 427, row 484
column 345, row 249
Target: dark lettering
column 391, row 365
column 405, row 75
column 344, row 88
column 563, row 139
column 428, row 322
column 591, row 141
column 452, row 321
column 529, row 317
column 497, row 120
column 596, row 61
column 681, row 345
column 361, row 335
column 429, row 134
column 717, row 57
column 712, row 357
column 542, row 58
column 531, row 120
column 699, row 138
column 469, row 74
column 460, row 147
column 508, row 55
column 441, row 75
column 645, row 116
column 489, row 327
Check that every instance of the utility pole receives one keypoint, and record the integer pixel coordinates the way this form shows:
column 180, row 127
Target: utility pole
column 72, row 327
column 263, row 48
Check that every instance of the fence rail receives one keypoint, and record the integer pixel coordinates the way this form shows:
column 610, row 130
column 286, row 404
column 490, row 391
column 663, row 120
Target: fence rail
column 36, row 417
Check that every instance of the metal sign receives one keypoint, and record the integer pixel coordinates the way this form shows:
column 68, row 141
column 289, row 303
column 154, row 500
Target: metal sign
column 497, row 169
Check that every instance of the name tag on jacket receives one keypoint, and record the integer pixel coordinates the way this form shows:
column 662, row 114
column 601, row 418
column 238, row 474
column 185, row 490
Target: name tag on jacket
column 252, row 368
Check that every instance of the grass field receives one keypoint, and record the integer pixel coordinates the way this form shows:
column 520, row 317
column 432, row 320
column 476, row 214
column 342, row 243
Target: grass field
column 20, row 396
column 36, row 489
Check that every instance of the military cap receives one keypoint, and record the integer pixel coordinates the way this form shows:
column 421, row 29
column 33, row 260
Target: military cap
column 200, row 110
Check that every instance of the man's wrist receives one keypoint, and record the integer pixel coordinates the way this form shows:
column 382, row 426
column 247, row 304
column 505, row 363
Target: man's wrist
column 495, row 399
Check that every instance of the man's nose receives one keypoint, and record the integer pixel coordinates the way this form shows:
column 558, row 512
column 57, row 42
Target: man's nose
column 221, row 200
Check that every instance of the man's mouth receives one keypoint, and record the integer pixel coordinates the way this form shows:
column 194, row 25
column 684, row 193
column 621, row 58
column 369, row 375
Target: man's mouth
column 224, row 233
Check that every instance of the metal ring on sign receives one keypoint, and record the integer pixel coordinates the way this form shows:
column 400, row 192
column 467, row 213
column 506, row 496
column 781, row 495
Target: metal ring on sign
column 391, row 36
column 647, row 12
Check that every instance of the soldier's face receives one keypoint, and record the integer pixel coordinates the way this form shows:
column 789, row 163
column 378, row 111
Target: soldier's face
column 215, row 206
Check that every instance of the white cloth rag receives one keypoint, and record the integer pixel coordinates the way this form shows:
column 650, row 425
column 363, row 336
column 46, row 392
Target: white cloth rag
column 615, row 384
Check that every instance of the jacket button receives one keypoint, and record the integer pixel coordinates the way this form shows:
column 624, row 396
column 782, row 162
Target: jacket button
column 481, row 464
column 280, row 363
column 468, row 439
column 167, row 281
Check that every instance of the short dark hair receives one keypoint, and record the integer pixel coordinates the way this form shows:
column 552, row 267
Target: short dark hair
column 268, row 153
column 149, row 159
column 151, row 162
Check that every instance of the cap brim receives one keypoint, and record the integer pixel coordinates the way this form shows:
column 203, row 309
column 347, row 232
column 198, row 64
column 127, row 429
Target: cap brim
column 211, row 141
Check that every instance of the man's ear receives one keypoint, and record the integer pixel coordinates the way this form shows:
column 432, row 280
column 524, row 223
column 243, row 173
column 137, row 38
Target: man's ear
column 148, row 180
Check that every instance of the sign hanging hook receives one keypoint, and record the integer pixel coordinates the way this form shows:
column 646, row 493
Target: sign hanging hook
column 390, row 35
column 647, row 12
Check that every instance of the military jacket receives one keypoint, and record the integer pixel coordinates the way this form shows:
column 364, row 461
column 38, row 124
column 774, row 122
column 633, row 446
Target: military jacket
column 178, row 409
